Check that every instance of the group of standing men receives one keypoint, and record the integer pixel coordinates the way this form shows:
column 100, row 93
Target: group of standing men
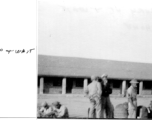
column 98, row 94
column 100, row 104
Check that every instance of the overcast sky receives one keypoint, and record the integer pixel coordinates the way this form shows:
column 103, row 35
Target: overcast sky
column 91, row 29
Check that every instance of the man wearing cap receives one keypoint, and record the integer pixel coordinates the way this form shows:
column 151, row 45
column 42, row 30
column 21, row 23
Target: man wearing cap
column 93, row 92
column 60, row 110
column 46, row 110
column 107, row 107
column 132, row 99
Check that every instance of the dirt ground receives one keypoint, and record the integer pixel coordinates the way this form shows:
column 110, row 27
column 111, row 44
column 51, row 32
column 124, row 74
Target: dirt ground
column 78, row 105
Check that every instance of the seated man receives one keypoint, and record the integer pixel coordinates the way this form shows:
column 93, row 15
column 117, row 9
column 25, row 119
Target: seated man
column 46, row 111
column 60, row 110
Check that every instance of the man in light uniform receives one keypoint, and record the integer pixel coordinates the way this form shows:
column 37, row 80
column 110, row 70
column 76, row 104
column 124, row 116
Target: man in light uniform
column 93, row 92
column 132, row 99
column 107, row 107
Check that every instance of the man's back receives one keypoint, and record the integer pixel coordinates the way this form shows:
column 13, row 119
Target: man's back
column 94, row 88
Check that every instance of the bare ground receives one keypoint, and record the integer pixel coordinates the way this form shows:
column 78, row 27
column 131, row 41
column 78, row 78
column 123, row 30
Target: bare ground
column 78, row 105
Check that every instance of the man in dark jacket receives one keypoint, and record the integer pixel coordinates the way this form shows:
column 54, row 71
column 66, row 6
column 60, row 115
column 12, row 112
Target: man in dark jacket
column 107, row 107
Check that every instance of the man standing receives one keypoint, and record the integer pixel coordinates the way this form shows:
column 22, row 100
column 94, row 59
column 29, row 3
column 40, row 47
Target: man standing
column 132, row 99
column 107, row 107
column 93, row 91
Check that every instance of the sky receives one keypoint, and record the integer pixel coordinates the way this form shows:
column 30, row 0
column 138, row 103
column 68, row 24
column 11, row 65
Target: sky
column 113, row 30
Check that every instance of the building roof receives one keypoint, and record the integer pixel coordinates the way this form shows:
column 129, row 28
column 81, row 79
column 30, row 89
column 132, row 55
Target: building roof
column 82, row 67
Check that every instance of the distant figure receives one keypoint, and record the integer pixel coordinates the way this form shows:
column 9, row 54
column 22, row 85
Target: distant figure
column 121, row 111
column 132, row 99
column 46, row 111
column 93, row 92
column 60, row 110
column 150, row 110
column 107, row 107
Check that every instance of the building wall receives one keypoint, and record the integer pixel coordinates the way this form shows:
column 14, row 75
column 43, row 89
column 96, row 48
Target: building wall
column 55, row 90
column 53, row 85
column 147, row 92
column 116, row 91
column 77, row 90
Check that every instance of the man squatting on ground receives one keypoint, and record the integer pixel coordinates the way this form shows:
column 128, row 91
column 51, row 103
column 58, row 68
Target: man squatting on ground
column 46, row 111
column 60, row 110
column 56, row 110
column 132, row 99
column 93, row 92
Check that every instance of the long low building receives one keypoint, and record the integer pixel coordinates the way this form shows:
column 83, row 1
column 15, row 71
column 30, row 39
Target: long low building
column 69, row 75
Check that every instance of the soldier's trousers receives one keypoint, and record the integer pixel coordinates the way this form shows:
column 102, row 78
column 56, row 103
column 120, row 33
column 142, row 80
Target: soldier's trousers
column 132, row 113
column 95, row 108
column 107, row 108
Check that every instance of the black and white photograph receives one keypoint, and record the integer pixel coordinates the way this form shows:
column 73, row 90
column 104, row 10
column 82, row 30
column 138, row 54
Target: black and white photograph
column 94, row 59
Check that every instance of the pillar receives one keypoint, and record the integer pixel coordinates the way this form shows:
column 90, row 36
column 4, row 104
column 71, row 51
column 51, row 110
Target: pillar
column 85, row 83
column 64, row 86
column 123, row 88
column 140, row 87
column 41, row 85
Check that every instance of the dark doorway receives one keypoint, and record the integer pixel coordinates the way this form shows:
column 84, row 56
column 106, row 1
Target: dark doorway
column 69, row 85
column 38, row 81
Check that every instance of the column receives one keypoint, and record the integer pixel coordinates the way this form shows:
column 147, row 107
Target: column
column 64, row 86
column 123, row 88
column 41, row 85
column 140, row 87
column 85, row 83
